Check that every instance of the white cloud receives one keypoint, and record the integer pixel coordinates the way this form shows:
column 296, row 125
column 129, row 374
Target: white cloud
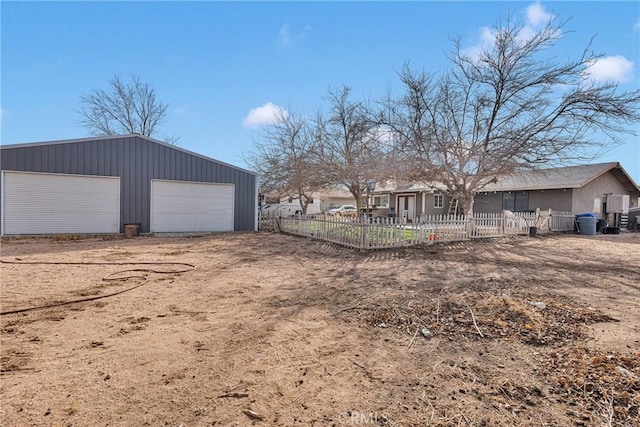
column 616, row 69
column 181, row 111
column 284, row 36
column 487, row 39
column 537, row 16
column 637, row 26
column 267, row 114
column 287, row 38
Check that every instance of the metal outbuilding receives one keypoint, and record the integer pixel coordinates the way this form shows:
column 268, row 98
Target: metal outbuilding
column 97, row 185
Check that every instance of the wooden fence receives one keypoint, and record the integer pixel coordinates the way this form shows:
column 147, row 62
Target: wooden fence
column 560, row 221
column 381, row 233
column 268, row 222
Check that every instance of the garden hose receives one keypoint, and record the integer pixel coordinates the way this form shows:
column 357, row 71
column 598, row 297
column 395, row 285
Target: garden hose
column 109, row 278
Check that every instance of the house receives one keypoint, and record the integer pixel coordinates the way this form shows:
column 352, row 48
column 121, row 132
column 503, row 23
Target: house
column 576, row 189
column 410, row 201
column 97, row 185
column 334, row 197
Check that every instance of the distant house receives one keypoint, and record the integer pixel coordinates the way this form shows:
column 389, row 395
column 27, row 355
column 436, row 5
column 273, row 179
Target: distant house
column 332, row 198
column 97, row 185
column 576, row 189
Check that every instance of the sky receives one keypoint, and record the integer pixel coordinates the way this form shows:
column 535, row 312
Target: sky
column 224, row 68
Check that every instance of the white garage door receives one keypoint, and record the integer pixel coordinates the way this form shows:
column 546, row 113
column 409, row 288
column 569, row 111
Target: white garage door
column 178, row 206
column 45, row 203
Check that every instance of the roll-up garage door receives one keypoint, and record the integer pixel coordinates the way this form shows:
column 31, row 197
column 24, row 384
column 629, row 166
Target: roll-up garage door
column 178, row 206
column 46, row 203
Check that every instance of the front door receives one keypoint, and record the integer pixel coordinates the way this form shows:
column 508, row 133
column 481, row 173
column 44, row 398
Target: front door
column 406, row 207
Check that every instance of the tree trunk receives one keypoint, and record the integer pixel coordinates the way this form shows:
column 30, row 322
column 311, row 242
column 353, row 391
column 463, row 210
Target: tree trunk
column 304, row 203
column 467, row 204
column 357, row 194
column 469, row 207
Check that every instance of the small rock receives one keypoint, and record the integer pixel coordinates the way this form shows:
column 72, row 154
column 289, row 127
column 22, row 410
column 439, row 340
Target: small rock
column 539, row 304
column 107, row 377
column 48, row 412
column 253, row 415
column 626, row 372
column 426, row 333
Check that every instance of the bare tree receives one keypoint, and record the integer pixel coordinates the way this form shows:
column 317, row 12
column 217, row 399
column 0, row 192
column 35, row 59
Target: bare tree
column 283, row 156
column 124, row 108
column 348, row 147
column 509, row 108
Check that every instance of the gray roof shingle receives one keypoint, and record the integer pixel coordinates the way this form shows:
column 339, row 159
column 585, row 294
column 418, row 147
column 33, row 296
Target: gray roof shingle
column 546, row 179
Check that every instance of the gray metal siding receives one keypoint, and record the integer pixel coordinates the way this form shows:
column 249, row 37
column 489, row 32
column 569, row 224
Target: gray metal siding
column 136, row 161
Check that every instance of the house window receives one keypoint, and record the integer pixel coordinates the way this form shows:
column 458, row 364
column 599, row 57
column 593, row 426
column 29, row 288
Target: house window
column 381, row 201
column 515, row 202
column 438, row 200
column 508, row 201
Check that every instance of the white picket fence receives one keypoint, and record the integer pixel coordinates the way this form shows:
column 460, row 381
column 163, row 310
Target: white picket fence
column 381, row 233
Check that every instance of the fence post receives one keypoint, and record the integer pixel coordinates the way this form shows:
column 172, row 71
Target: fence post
column 365, row 234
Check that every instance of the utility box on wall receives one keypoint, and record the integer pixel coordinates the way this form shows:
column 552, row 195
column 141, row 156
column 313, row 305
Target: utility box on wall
column 617, row 203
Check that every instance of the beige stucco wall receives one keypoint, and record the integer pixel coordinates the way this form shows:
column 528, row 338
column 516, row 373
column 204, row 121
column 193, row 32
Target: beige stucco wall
column 585, row 198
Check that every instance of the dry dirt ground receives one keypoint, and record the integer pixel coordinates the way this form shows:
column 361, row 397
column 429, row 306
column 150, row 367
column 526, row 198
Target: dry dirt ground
column 276, row 330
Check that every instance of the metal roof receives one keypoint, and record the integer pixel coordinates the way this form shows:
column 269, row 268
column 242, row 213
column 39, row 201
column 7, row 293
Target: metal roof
column 107, row 137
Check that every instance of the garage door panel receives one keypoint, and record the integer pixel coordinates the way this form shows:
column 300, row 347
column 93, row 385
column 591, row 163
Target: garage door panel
column 178, row 206
column 40, row 203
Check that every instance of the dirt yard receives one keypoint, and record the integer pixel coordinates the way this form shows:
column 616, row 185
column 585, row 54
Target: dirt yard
column 277, row 330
